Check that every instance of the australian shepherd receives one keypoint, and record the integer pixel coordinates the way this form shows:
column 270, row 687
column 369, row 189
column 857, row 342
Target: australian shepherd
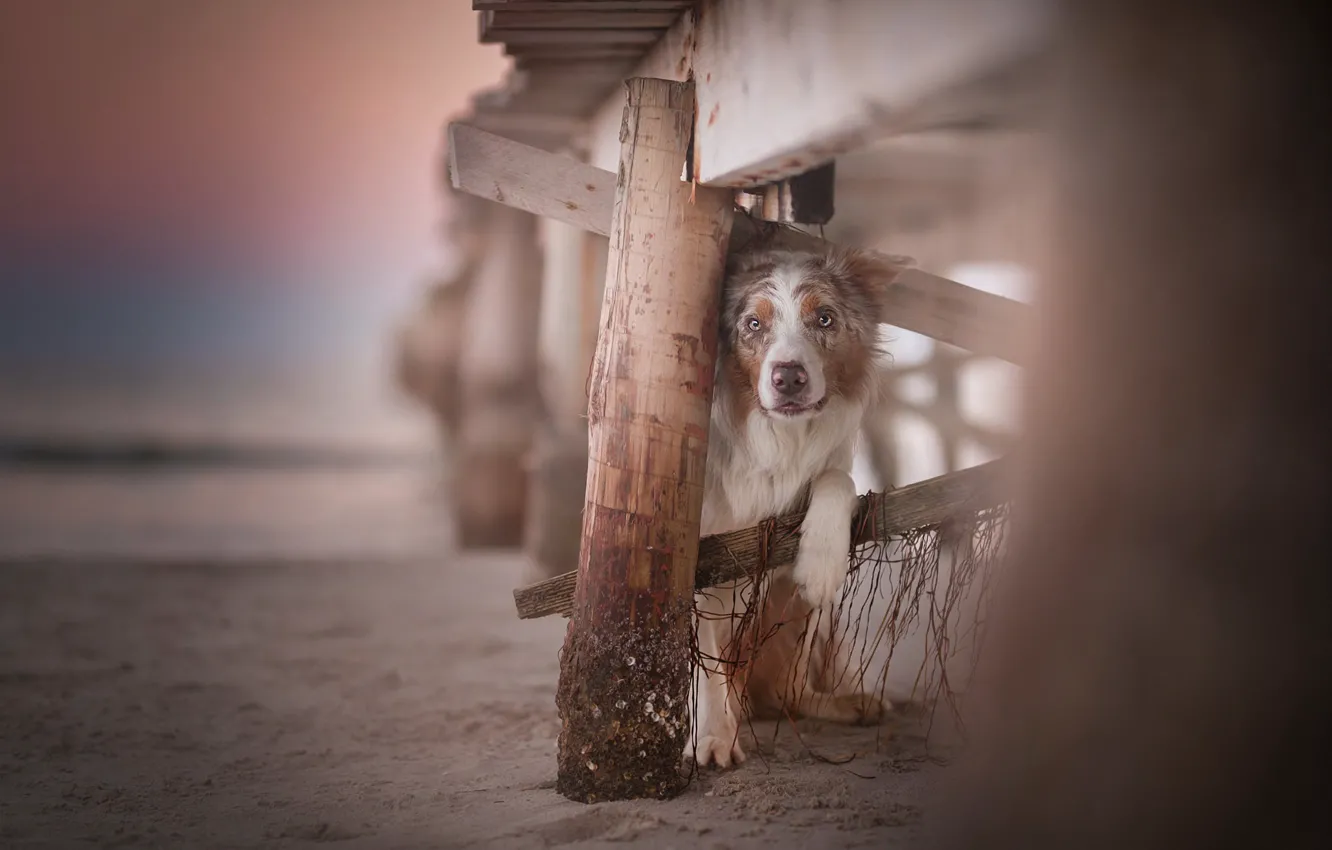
column 795, row 374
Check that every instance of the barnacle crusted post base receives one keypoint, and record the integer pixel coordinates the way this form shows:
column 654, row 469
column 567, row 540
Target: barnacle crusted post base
column 624, row 710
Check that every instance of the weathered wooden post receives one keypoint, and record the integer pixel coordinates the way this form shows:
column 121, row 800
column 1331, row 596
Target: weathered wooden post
column 625, row 669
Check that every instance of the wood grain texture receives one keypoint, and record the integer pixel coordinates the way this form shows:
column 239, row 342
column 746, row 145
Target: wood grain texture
column 786, row 85
column 501, row 20
column 652, row 373
column 628, row 645
column 736, row 554
column 518, row 175
column 572, row 6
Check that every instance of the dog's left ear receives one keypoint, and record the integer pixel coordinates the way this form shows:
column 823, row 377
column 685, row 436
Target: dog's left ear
column 867, row 275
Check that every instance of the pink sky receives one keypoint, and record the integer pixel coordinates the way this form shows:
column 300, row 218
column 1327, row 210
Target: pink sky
column 298, row 134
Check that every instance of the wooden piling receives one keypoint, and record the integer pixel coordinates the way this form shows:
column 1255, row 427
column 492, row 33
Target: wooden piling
column 497, row 377
column 559, row 451
column 623, row 695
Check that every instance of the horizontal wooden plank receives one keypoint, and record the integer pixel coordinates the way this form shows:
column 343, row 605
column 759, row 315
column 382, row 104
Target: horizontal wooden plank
column 582, row 5
column 786, row 85
column 559, row 187
column 502, row 20
column 571, row 38
column 541, row 183
column 950, row 312
column 750, row 551
column 578, row 53
column 558, row 63
column 929, row 304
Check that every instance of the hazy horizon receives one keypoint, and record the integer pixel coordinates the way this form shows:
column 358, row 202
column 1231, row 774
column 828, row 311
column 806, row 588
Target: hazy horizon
column 213, row 215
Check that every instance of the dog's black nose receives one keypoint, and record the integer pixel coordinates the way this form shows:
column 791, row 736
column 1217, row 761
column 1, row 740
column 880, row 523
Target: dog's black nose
column 789, row 378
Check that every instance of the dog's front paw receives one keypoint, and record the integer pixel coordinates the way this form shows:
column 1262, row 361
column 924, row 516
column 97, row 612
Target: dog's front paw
column 822, row 562
column 714, row 749
column 716, row 741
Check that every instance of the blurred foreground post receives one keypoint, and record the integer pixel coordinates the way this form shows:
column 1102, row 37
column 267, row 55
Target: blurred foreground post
column 624, row 674
column 1160, row 658
column 497, row 376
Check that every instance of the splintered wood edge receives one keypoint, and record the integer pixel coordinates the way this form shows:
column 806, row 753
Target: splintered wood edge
column 736, row 554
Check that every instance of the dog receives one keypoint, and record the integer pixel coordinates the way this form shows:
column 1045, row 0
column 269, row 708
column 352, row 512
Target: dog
column 796, row 371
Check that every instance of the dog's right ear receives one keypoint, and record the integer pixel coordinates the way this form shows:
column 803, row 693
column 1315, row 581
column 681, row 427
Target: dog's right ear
column 868, row 274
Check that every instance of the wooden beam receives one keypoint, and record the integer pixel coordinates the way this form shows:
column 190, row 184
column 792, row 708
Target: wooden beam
column 518, row 175
column 569, row 38
column 505, row 19
column 574, row 52
column 559, row 187
column 950, row 312
column 497, row 382
column 784, row 85
column 582, row 5
column 628, row 644
column 737, row 554
column 572, row 69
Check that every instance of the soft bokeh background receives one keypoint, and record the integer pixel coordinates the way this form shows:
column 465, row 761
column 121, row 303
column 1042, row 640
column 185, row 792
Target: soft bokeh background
column 231, row 610
column 211, row 216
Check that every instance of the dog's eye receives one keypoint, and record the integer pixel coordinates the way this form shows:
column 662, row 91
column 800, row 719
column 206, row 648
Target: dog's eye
column 825, row 320
column 754, row 324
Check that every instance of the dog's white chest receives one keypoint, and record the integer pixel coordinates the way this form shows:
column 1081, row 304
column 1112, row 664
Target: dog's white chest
column 762, row 468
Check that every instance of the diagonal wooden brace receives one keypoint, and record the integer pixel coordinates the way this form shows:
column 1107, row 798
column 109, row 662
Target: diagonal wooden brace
column 562, row 188
column 751, row 551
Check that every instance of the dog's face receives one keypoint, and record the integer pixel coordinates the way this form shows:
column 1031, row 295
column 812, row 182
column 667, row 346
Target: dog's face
column 800, row 329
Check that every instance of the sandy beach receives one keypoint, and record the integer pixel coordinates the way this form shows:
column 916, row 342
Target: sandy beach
column 372, row 705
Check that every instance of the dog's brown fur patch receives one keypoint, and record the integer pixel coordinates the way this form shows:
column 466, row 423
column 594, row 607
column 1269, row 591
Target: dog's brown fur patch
column 847, row 284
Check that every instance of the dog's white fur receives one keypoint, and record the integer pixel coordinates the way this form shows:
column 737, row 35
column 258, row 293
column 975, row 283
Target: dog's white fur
column 760, row 465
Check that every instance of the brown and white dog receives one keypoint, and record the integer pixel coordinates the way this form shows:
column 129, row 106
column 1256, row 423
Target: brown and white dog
column 795, row 374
